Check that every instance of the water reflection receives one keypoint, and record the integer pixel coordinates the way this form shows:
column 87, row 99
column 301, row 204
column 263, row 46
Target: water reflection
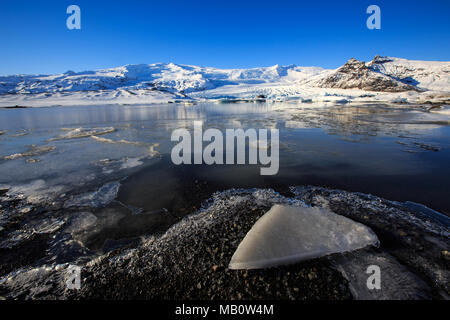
column 396, row 152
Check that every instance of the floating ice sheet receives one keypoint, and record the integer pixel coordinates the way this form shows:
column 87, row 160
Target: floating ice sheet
column 36, row 191
column 32, row 152
column 83, row 133
column 100, row 198
column 106, row 140
column 288, row 234
column 80, row 221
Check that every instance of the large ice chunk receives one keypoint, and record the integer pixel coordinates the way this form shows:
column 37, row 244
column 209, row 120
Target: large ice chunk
column 288, row 234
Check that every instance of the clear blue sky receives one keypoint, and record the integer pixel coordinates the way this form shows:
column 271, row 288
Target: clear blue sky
column 218, row 33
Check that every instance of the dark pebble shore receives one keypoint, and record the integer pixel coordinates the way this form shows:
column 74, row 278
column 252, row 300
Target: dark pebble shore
column 189, row 261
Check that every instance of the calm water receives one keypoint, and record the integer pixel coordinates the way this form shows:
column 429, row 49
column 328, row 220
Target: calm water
column 395, row 152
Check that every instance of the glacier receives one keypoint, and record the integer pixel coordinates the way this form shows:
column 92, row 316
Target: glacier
column 385, row 79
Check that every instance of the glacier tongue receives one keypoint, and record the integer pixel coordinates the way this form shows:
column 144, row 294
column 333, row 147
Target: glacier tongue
column 288, row 234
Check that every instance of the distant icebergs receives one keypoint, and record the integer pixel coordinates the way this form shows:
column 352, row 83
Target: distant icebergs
column 289, row 234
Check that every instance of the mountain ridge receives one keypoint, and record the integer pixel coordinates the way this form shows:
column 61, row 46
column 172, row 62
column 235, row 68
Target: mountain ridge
column 160, row 82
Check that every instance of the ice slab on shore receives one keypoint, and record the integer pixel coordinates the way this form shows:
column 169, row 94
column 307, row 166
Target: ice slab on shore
column 289, row 234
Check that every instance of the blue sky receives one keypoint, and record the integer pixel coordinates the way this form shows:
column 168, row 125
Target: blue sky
column 218, row 33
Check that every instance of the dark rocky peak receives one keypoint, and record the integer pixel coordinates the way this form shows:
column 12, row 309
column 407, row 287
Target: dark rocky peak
column 356, row 74
column 380, row 59
column 353, row 64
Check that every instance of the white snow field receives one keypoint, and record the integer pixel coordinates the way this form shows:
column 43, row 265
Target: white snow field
column 385, row 79
column 289, row 234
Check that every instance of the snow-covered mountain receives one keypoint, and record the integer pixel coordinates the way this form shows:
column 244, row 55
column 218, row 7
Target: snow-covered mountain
column 168, row 77
column 357, row 75
column 428, row 75
column 155, row 83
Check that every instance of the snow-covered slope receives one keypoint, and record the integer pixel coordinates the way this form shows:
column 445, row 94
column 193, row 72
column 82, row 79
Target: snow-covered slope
column 169, row 77
column 431, row 75
column 357, row 75
column 381, row 79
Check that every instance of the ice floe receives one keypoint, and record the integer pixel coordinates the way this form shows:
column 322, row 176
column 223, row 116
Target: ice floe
column 131, row 163
column 402, row 283
column 80, row 221
column 83, row 133
column 98, row 198
column 32, row 152
column 151, row 150
column 151, row 147
column 288, row 234
column 34, row 282
column 36, row 191
column 428, row 212
column 102, row 139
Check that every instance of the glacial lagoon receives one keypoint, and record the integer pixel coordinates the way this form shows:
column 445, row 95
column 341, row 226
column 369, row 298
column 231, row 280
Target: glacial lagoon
column 396, row 152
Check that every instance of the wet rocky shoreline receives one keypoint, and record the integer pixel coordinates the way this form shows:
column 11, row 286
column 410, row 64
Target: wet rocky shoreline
column 188, row 259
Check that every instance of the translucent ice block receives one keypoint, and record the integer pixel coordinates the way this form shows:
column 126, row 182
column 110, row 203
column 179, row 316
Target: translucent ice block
column 288, row 234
